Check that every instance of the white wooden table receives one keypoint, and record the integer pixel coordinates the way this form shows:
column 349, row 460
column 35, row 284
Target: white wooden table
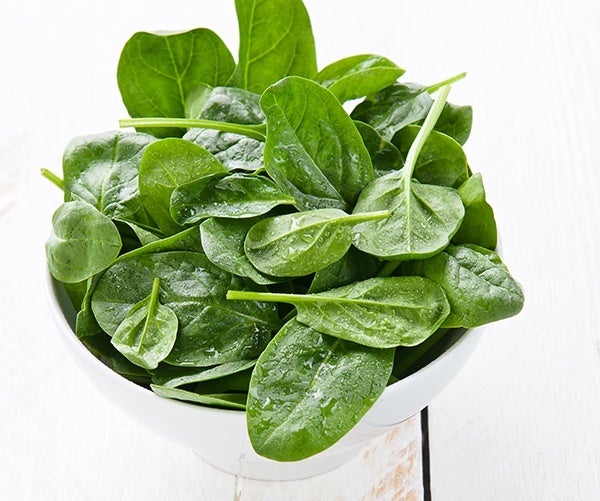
column 522, row 420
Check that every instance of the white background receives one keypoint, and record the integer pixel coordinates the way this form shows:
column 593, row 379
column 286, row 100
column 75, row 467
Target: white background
column 522, row 421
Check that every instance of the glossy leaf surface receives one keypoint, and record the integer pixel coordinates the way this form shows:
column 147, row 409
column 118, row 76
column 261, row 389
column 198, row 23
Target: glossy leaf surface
column 308, row 390
column 224, row 400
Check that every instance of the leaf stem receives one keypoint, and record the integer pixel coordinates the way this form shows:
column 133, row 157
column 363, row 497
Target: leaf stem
column 53, row 178
column 258, row 132
column 388, row 268
column 449, row 81
column 417, row 145
column 361, row 217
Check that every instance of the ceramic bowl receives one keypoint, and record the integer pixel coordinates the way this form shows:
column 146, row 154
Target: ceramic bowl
column 220, row 437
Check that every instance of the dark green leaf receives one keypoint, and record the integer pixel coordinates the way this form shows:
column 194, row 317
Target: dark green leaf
column 478, row 285
column 384, row 155
column 235, row 401
column 172, row 376
column 83, row 242
column 358, row 76
column 308, row 390
column 165, row 165
column 313, row 150
column 157, row 71
column 276, row 41
column 456, row 121
column 378, row 312
column 147, row 333
column 211, row 330
column 234, row 196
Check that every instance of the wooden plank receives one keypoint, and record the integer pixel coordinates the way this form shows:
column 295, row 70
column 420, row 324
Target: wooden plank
column 389, row 468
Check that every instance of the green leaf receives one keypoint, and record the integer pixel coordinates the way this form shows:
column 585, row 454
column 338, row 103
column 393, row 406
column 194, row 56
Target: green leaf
column 102, row 170
column 233, row 196
column 211, row 330
column 313, row 151
column 223, row 244
column 308, row 390
column 479, row 287
column 378, row 312
column 294, row 245
column 456, row 121
column 235, row 401
column 358, row 76
column 394, row 108
column 147, row 333
column 156, row 72
column 276, row 41
column 478, row 226
column 172, row 376
column 83, row 242
column 165, row 165
column 442, row 161
column 384, row 155
column 423, row 217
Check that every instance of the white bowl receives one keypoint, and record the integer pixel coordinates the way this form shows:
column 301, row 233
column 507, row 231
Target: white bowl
column 220, row 437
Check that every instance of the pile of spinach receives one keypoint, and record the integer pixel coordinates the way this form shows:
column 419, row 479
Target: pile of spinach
column 255, row 246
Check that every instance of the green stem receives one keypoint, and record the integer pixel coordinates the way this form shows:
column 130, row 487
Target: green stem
column 254, row 131
column 152, row 306
column 417, row 145
column 362, row 217
column 413, row 355
column 388, row 268
column 158, row 245
column 53, row 178
column 449, row 81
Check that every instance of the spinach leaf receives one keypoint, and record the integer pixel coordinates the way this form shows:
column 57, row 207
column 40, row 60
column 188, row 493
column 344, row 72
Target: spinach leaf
column 102, row 170
column 478, row 226
column 227, row 104
column 358, row 76
column 456, row 121
column 165, row 165
column 441, row 161
column 234, row 401
column 352, row 267
column 172, row 376
column 211, row 330
column 384, row 155
column 423, row 217
column 294, row 245
column 235, row 196
column 378, row 312
column 308, row 390
column 313, row 151
column 479, row 287
column 276, row 41
column 223, row 244
column 83, row 242
column 394, row 108
column 156, row 72
column 147, row 333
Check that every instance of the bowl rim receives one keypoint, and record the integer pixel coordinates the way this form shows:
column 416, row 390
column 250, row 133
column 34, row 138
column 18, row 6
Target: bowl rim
column 56, row 306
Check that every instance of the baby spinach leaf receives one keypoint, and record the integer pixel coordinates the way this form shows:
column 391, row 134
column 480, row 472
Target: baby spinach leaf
column 235, row 401
column 352, row 267
column 384, row 155
column 172, row 376
column 156, row 72
column 83, row 242
column 478, row 285
column 456, row 121
column 237, row 382
column 276, row 41
column 147, row 333
column 223, row 244
column 442, row 161
column 358, row 76
column 227, row 104
column 378, row 312
column 308, row 390
column 102, row 169
column 235, row 196
column 313, row 151
column 294, row 245
column 423, row 217
column 211, row 330
column 165, row 165
column 478, row 226
column 394, row 108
